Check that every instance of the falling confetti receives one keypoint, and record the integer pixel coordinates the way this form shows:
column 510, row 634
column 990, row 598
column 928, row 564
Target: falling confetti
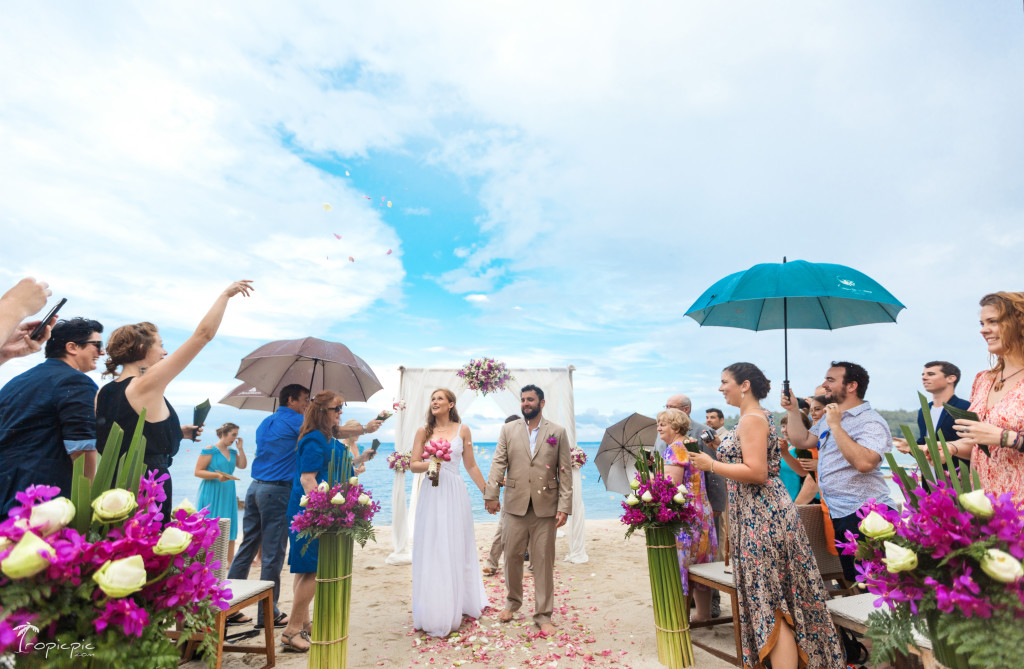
column 388, row 253
column 336, row 235
column 346, row 173
column 368, row 197
column 327, row 206
column 351, row 259
column 389, row 203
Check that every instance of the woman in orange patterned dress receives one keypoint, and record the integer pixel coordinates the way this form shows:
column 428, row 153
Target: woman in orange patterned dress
column 998, row 398
column 700, row 544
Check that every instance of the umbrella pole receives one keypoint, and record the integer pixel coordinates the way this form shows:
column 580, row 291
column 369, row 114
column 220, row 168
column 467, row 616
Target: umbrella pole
column 785, row 345
column 313, row 375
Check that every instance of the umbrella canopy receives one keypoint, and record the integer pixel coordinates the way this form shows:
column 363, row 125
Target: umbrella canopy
column 247, row 397
column 798, row 294
column 616, row 456
column 311, row 362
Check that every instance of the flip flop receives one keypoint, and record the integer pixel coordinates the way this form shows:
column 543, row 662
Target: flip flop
column 238, row 618
column 281, row 620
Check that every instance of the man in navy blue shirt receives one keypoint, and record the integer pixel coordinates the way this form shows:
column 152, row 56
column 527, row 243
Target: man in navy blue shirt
column 47, row 416
column 939, row 379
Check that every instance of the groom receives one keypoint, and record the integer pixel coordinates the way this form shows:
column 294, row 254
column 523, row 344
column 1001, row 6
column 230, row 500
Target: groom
column 532, row 456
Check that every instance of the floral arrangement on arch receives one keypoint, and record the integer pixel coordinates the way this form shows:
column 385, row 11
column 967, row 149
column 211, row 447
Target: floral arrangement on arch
column 104, row 578
column 399, row 461
column 485, row 375
column 577, row 456
column 948, row 566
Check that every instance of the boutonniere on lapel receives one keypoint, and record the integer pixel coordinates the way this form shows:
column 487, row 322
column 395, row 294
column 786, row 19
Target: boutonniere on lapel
column 553, row 440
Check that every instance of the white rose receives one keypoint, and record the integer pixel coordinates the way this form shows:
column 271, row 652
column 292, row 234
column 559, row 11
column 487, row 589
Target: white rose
column 172, row 541
column 52, row 516
column 632, row 500
column 898, row 558
column 25, row 558
column 120, row 578
column 364, row 499
column 647, row 496
column 354, row 480
column 876, row 527
column 338, row 499
column 1001, row 566
column 114, row 505
column 322, row 486
column 678, row 498
column 304, row 501
column 977, row 503
column 186, row 505
column 634, row 484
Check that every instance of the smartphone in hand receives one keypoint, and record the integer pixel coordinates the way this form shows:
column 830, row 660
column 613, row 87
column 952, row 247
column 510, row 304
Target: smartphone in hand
column 38, row 332
column 375, row 444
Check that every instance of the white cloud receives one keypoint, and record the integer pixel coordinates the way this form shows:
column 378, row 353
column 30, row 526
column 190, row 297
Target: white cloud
column 477, row 298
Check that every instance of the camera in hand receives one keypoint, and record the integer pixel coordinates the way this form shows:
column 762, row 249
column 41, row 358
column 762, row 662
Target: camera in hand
column 707, row 436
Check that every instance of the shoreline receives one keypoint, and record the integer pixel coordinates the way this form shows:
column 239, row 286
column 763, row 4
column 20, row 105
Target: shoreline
column 602, row 611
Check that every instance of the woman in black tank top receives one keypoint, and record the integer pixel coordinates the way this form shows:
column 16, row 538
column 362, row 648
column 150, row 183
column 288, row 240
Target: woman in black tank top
column 146, row 371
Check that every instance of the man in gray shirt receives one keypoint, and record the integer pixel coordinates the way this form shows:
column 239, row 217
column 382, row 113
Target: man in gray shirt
column 718, row 495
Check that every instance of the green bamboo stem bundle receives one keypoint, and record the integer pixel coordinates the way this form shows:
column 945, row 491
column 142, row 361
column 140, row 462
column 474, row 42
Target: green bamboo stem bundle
column 671, row 609
column 332, row 601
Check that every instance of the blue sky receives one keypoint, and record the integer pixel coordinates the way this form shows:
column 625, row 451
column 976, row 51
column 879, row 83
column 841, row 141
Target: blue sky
column 565, row 180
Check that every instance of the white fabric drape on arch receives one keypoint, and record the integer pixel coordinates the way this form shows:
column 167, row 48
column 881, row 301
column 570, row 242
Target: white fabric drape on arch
column 414, row 388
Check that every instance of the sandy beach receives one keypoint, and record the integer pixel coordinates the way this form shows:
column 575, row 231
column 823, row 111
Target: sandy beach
column 602, row 611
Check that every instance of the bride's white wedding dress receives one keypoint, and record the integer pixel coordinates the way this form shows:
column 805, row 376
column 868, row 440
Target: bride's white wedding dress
column 446, row 578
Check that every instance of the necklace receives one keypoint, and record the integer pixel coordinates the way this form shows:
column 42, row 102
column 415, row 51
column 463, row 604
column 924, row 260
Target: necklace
column 998, row 385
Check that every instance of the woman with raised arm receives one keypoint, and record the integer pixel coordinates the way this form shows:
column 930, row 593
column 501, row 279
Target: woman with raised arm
column 446, row 580
column 146, row 371
column 780, row 592
column 216, row 467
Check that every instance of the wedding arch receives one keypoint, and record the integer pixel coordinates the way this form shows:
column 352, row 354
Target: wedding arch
column 415, row 386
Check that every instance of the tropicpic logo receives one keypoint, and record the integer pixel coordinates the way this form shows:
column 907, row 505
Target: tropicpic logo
column 73, row 649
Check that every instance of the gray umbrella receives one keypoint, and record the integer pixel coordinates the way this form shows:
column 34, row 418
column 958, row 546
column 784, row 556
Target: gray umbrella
column 311, row 362
column 247, row 397
column 616, row 456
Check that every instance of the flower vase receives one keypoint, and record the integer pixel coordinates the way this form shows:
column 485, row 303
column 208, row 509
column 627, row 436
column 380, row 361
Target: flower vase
column 945, row 653
column 332, row 602
column 671, row 613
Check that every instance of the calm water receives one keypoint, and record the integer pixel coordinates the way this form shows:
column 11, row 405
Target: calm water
column 598, row 503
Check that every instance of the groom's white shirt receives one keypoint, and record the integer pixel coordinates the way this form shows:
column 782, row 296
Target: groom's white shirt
column 533, row 437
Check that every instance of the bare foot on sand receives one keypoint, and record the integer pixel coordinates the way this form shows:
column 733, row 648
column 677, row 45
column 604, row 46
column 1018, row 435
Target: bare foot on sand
column 548, row 628
column 505, row 615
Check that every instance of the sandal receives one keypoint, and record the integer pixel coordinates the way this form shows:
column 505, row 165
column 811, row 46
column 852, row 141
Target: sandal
column 238, row 618
column 288, row 642
column 280, row 620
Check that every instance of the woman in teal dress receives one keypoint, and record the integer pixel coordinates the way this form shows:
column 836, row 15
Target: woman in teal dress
column 317, row 445
column 216, row 466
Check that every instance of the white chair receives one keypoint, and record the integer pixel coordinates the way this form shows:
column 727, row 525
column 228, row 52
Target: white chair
column 852, row 613
column 244, row 593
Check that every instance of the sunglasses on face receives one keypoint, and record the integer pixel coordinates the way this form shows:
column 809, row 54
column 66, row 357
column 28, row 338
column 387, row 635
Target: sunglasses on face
column 98, row 344
column 337, row 408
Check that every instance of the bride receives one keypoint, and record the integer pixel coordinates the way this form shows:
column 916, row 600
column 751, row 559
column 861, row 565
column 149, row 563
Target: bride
column 446, row 580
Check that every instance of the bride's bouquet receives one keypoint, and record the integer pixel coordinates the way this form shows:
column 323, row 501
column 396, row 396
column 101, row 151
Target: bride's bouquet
column 439, row 451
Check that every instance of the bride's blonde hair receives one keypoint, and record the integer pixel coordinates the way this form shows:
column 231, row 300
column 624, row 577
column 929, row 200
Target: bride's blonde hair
column 453, row 415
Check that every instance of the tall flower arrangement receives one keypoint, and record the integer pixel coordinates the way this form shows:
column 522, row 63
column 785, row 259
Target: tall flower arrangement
column 338, row 514
column 947, row 566
column 662, row 509
column 102, row 579
column 485, row 375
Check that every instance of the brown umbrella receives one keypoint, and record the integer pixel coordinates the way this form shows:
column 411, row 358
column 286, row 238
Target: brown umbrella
column 616, row 456
column 311, row 362
column 247, row 397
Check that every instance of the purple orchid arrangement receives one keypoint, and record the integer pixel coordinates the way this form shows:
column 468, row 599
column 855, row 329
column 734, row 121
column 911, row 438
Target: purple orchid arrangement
column 656, row 502
column 553, row 440
column 485, row 375
column 342, row 508
column 109, row 591
column 947, row 565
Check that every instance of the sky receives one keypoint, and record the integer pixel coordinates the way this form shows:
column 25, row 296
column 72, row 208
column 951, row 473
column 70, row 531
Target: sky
column 548, row 185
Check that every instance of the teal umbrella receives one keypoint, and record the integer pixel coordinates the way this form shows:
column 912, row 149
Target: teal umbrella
column 798, row 294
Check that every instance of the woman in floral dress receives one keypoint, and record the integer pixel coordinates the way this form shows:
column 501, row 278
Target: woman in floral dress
column 781, row 596
column 700, row 544
column 997, row 396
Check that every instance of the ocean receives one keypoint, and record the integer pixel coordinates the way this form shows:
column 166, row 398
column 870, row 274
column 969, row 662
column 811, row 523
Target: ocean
column 598, row 503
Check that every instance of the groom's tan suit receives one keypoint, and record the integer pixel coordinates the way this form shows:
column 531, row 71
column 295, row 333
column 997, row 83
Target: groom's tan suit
column 538, row 483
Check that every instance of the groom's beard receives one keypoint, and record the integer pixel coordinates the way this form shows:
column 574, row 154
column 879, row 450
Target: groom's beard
column 530, row 415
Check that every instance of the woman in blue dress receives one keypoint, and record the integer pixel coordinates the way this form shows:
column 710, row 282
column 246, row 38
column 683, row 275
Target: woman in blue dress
column 317, row 444
column 216, row 466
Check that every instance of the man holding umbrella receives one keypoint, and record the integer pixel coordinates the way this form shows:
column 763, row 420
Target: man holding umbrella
column 265, row 524
column 852, row 438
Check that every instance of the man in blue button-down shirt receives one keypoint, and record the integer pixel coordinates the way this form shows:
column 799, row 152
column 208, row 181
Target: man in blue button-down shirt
column 853, row 440
column 47, row 417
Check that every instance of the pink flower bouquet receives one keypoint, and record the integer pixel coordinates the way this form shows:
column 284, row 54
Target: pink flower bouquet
column 399, row 461
column 577, row 456
column 439, row 451
column 485, row 375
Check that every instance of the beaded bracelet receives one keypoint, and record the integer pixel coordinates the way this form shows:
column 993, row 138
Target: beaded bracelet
column 1018, row 442
column 1004, row 439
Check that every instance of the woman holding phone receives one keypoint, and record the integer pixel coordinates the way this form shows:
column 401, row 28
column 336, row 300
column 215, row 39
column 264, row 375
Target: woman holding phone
column 146, row 371
column 216, row 467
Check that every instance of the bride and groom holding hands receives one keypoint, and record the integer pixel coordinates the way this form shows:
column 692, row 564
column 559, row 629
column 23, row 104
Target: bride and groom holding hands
column 532, row 459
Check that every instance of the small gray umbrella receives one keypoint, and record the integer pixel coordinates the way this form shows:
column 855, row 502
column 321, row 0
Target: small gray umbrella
column 616, row 456
column 311, row 362
column 247, row 397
